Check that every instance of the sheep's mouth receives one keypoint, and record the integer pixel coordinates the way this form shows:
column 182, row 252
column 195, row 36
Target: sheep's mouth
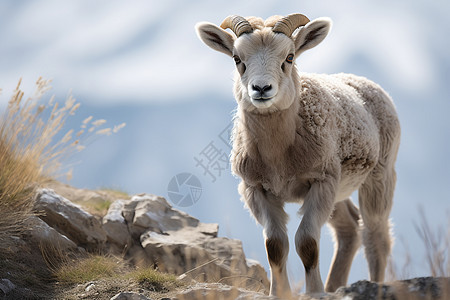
column 261, row 99
column 262, row 103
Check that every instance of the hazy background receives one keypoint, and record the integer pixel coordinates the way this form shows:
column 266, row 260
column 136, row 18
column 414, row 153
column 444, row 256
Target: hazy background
column 140, row 62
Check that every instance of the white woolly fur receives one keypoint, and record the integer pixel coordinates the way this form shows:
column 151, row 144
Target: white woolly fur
column 311, row 139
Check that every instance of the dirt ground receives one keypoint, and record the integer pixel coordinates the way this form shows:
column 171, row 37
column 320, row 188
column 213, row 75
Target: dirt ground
column 23, row 264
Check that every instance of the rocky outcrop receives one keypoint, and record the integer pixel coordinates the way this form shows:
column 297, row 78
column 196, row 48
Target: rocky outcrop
column 149, row 231
column 43, row 234
column 70, row 219
column 143, row 213
column 178, row 243
column 424, row 288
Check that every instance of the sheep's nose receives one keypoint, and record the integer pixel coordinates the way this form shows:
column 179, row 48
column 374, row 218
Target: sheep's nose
column 263, row 89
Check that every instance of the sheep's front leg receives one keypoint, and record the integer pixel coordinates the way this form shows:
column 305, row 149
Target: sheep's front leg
column 269, row 212
column 316, row 209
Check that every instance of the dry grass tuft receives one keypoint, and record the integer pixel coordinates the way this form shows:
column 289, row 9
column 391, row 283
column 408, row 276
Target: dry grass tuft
column 393, row 272
column 150, row 275
column 77, row 268
column 115, row 192
column 437, row 244
column 93, row 267
column 80, row 268
column 97, row 207
column 32, row 146
column 153, row 279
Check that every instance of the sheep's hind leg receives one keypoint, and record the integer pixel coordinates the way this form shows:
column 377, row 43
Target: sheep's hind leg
column 345, row 223
column 269, row 212
column 375, row 202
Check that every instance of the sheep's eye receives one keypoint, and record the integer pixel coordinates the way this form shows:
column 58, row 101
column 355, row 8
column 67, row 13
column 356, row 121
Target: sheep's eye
column 237, row 59
column 290, row 58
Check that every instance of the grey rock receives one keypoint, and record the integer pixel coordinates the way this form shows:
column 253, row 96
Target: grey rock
column 173, row 252
column 115, row 224
column 152, row 212
column 129, row 219
column 129, row 296
column 418, row 288
column 153, row 232
column 6, row 286
column 257, row 276
column 424, row 288
column 217, row 291
column 210, row 229
column 194, row 255
column 208, row 291
column 364, row 289
column 90, row 286
column 428, row 287
column 178, row 243
column 70, row 219
column 43, row 234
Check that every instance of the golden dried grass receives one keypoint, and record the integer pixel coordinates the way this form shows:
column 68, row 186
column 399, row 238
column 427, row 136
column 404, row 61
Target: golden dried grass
column 32, row 148
column 437, row 244
column 93, row 267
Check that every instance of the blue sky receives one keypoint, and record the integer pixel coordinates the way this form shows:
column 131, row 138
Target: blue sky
column 140, row 62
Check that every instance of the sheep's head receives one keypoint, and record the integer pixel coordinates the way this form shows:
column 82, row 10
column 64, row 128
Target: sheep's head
column 265, row 53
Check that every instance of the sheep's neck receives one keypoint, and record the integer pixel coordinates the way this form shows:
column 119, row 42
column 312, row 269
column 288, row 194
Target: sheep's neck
column 272, row 134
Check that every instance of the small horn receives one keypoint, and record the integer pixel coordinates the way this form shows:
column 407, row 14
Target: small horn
column 287, row 25
column 237, row 24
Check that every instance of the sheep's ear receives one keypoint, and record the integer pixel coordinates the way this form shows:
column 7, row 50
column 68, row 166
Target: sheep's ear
column 312, row 34
column 215, row 37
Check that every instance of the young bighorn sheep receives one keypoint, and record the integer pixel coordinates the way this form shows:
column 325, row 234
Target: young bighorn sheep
column 311, row 139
